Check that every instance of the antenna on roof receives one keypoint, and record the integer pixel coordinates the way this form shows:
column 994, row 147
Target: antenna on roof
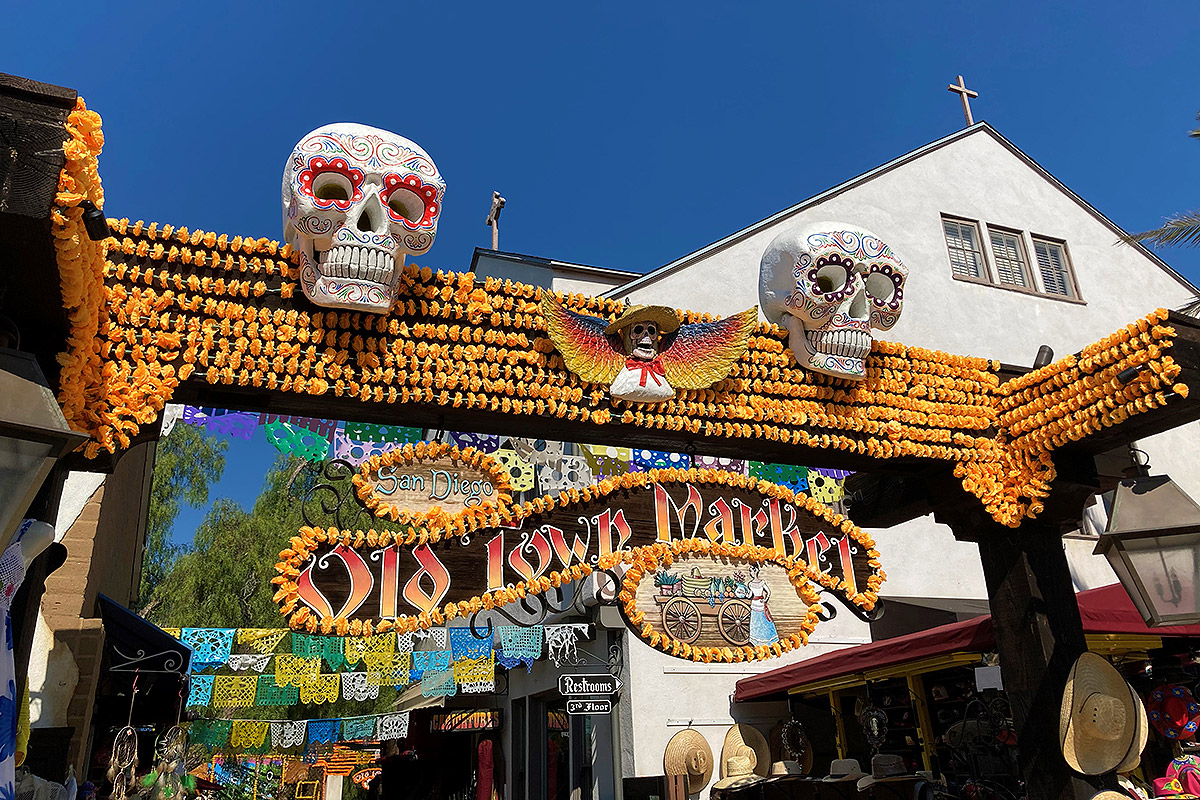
column 493, row 219
column 963, row 92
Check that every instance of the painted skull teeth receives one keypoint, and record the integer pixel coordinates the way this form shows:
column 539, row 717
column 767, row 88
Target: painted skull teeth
column 360, row 263
column 839, row 342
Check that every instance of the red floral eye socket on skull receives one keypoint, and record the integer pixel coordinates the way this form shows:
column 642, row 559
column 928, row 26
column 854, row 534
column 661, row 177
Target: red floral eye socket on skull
column 409, row 200
column 331, row 183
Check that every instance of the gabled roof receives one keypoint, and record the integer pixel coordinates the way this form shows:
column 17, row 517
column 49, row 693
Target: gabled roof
column 978, row 128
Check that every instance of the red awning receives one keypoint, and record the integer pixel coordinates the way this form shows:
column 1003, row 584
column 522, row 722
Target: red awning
column 1107, row 609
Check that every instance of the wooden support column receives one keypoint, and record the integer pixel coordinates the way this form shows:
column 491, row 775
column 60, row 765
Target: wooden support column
column 1038, row 636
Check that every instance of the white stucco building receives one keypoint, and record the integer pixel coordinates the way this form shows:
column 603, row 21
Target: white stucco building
column 1003, row 258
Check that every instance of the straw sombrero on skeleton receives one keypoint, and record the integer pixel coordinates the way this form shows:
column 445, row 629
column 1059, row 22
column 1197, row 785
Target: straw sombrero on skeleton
column 1099, row 718
column 688, row 754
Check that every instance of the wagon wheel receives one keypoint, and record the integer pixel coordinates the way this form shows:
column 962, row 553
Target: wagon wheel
column 733, row 618
column 681, row 619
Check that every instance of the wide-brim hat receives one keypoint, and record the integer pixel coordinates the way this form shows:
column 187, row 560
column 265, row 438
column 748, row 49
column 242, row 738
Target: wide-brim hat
column 686, row 751
column 738, row 769
column 742, row 735
column 665, row 318
column 783, row 768
column 1174, row 712
column 1098, row 716
column 1140, row 737
column 885, row 768
column 844, row 769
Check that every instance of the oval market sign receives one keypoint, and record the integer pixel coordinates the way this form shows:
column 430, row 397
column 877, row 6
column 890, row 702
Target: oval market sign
column 439, row 486
column 358, row 583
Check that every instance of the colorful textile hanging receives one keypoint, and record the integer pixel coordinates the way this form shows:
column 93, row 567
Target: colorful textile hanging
column 240, row 662
column 210, row 732
column 388, row 669
column 200, row 693
column 795, row 478
column 646, row 460
column 293, row 440
column 520, row 471
column 321, row 689
column 248, row 734
column 271, row 695
column 174, row 633
column 358, row 729
column 210, row 646
column 356, row 647
column 476, row 675
column 291, row 670
column 735, row 465
column 234, row 691
column 261, row 640
column 408, row 641
column 465, row 644
column 539, row 452
column 483, row 442
column 431, row 661
column 392, row 726
column 438, row 683
column 323, row 731
column 366, row 432
column 356, row 686
column 330, row 648
column 289, row 733
column 606, row 461
column 237, row 425
column 520, row 645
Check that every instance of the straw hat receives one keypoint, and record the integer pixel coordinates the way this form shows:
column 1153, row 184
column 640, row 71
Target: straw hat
column 688, row 754
column 1110, row 794
column 738, row 769
column 885, row 768
column 1140, row 737
column 844, row 769
column 665, row 318
column 784, row 768
column 1174, row 712
column 1097, row 721
column 741, row 736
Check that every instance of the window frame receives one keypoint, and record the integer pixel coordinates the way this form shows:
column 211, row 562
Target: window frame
column 985, row 277
column 1072, row 282
column 1023, row 251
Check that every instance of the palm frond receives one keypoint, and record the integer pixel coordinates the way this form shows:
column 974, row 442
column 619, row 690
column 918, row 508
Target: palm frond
column 1191, row 308
column 1179, row 231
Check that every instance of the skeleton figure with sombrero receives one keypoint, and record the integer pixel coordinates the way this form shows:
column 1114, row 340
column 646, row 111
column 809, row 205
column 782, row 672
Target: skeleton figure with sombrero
column 646, row 353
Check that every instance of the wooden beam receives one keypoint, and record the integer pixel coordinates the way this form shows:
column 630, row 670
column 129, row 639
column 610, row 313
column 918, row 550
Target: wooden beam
column 32, row 132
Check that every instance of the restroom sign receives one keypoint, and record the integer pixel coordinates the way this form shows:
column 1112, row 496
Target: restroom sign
column 573, row 685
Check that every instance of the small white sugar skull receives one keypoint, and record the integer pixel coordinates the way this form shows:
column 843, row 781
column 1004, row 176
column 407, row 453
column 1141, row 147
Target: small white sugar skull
column 356, row 201
column 829, row 285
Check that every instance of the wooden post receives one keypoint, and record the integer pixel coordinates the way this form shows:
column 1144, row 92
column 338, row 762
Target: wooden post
column 1038, row 635
column 493, row 219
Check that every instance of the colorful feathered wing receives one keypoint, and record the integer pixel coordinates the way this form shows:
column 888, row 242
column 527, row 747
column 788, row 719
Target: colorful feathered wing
column 704, row 352
column 582, row 342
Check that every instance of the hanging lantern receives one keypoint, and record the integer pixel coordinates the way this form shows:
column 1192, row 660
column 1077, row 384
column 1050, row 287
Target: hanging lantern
column 1152, row 542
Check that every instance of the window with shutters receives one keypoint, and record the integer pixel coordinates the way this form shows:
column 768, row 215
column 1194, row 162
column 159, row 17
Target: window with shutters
column 1008, row 256
column 963, row 244
column 1054, row 268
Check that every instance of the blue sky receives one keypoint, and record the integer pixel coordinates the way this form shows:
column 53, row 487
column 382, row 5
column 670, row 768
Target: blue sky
column 622, row 135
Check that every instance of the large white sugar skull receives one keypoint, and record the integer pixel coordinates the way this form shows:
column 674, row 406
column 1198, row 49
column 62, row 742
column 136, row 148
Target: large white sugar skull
column 830, row 284
column 356, row 201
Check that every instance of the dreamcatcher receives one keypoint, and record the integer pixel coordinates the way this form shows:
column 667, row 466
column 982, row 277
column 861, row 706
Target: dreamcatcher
column 123, row 763
column 169, row 779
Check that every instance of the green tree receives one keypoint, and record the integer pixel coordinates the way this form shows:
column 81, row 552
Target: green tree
column 224, row 580
column 187, row 462
column 1181, row 230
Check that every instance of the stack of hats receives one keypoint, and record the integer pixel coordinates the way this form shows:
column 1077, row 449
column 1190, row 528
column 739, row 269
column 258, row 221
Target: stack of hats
column 745, row 757
column 1102, row 722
